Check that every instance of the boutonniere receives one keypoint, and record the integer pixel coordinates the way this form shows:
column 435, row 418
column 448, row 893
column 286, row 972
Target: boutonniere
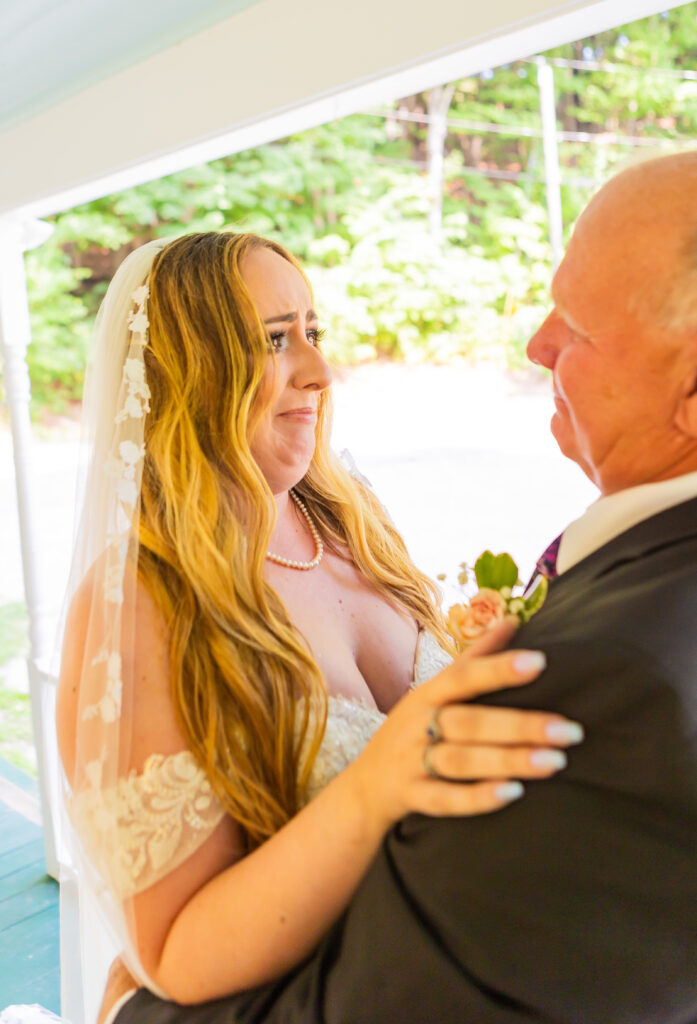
column 492, row 591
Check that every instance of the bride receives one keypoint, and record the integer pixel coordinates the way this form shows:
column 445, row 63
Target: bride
column 238, row 715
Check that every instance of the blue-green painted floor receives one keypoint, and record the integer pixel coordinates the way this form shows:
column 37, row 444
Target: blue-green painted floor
column 29, row 952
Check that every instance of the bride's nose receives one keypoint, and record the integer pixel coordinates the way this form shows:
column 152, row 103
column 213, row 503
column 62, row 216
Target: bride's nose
column 312, row 370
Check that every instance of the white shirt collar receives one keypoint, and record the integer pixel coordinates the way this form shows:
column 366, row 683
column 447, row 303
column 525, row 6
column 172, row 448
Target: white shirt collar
column 610, row 516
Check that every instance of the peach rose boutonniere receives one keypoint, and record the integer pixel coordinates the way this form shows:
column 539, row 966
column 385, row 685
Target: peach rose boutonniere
column 499, row 594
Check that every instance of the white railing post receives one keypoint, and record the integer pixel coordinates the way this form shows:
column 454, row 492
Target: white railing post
column 548, row 110
column 17, row 235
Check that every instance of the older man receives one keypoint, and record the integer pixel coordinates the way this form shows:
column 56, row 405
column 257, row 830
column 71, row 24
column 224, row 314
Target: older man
column 578, row 904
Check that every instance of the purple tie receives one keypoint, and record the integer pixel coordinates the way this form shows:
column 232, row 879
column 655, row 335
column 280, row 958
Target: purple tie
column 546, row 564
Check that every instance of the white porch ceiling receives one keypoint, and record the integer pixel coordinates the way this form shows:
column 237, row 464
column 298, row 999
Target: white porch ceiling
column 51, row 50
column 105, row 95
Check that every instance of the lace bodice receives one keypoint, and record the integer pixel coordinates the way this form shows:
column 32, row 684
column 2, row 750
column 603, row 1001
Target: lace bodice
column 162, row 815
column 351, row 723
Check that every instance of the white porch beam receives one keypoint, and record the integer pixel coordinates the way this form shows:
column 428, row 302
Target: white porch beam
column 273, row 69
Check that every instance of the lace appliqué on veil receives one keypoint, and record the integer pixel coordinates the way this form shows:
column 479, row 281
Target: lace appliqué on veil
column 149, row 823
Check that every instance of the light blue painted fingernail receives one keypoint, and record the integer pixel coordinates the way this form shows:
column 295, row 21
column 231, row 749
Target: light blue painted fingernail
column 548, row 759
column 565, row 732
column 529, row 661
column 508, row 791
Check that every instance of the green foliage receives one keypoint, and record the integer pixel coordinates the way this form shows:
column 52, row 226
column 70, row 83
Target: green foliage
column 16, row 737
column 14, row 638
column 536, row 597
column 59, row 327
column 397, row 293
column 495, row 571
column 352, row 199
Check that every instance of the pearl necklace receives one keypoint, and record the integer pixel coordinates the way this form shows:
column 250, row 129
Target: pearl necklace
column 291, row 563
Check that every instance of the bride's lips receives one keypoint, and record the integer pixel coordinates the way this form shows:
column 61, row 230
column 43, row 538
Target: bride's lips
column 302, row 414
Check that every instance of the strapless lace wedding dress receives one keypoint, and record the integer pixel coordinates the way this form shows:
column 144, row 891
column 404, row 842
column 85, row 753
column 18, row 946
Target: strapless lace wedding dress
column 163, row 814
column 351, row 723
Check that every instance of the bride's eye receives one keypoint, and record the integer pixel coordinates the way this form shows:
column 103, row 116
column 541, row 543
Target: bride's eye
column 278, row 342
column 315, row 335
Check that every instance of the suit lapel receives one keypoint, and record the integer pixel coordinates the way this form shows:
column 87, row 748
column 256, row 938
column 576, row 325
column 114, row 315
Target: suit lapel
column 664, row 530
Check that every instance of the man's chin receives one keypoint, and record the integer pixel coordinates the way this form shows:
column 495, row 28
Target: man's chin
column 566, row 440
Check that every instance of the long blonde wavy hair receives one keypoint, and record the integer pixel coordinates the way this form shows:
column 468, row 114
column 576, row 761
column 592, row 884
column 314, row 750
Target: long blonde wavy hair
column 248, row 693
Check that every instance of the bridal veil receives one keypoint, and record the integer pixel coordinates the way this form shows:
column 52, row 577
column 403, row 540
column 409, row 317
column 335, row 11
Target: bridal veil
column 128, row 828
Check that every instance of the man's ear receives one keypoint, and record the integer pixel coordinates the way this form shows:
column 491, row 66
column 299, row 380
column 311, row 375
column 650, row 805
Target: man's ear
column 686, row 418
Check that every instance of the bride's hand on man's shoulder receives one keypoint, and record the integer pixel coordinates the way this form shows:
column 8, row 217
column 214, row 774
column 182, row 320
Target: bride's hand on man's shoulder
column 436, row 754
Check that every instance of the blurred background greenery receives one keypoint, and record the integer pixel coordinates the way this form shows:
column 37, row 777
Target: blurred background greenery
column 400, row 272
column 16, row 741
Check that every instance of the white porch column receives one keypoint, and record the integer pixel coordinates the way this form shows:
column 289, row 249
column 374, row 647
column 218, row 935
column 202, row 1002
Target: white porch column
column 17, row 235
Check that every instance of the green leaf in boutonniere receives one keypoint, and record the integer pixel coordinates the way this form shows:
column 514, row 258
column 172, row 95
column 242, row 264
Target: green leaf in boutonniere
column 495, row 571
column 536, row 598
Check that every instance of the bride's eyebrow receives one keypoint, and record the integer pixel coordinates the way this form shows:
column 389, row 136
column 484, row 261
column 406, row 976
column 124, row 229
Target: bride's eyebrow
column 282, row 318
column 290, row 318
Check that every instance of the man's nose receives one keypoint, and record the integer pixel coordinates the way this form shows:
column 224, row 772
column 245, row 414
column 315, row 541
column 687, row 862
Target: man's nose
column 543, row 347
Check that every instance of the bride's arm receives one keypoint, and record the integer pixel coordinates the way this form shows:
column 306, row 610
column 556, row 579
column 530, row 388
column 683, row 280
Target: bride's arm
column 260, row 917
column 220, row 923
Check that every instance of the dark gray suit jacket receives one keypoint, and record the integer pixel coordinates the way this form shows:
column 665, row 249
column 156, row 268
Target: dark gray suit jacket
column 578, row 903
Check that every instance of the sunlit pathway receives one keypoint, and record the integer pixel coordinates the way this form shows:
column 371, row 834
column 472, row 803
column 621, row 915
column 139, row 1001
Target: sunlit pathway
column 462, row 458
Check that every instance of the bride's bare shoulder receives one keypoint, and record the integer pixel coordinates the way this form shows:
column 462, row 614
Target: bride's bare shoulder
column 140, row 614
column 145, row 667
